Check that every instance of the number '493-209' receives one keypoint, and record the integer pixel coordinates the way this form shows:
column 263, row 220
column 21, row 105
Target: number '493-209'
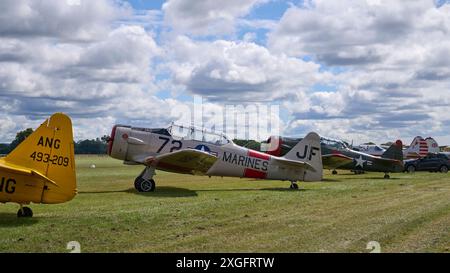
column 47, row 158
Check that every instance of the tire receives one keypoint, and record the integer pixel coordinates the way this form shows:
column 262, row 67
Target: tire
column 410, row 169
column 387, row 176
column 334, row 172
column 294, row 187
column 443, row 169
column 137, row 183
column 25, row 212
column 144, row 185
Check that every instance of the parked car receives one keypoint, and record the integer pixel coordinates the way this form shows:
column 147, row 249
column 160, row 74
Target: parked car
column 432, row 162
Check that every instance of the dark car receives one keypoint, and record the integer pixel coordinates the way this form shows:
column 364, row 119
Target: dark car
column 432, row 162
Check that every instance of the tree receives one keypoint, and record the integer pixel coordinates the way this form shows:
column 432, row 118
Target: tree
column 4, row 149
column 20, row 136
column 251, row 144
column 105, row 138
column 90, row 146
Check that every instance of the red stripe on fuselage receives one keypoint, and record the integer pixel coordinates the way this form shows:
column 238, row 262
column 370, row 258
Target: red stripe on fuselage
column 259, row 155
column 249, row 173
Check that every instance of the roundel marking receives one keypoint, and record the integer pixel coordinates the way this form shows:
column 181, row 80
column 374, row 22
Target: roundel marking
column 202, row 147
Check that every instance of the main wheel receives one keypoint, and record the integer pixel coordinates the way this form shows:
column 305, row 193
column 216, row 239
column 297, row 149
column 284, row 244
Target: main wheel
column 386, row 176
column 443, row 169
column 294, row 186
column 144, row 185
column 137, row 182
column 411, row 169
column 334, row 172
column 25, row 212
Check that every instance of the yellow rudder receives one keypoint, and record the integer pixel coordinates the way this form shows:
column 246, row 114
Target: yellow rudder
column 50, row 151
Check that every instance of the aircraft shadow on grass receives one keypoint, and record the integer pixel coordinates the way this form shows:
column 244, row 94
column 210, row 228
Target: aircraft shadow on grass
column 159, row 192
column 247, row 189
column 165, row 191
column 285, row 189
column 11, row 220
column 369, row 178
column 330, row 180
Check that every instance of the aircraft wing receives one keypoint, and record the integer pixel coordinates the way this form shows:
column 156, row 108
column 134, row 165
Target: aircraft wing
column 24, row 171
column 189, row 161
column 293, row 163
column 334, row 161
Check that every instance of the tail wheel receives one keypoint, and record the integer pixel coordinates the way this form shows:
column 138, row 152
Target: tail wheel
column 144, row 185
column 443, row 169
column 411, row 169
column 25, row 212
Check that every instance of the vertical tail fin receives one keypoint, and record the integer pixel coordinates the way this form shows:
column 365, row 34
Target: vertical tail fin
column 308, row 150
column 50, row 151
column 433, row 146
column 418, row 147
column 395, row 151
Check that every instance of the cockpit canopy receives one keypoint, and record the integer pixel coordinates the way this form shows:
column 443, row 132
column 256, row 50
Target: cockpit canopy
column 192, row 133
column 333, row 143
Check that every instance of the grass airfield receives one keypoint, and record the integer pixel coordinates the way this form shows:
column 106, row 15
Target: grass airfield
column 408, row 213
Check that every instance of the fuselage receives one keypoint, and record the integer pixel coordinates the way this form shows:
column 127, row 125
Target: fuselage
column 363, row 161
column 135, row 145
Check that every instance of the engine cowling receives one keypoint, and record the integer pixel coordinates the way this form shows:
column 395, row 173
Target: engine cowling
column 118, row 142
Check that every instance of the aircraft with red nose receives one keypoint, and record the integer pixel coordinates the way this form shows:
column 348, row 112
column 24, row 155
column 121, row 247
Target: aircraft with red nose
column 189, row 150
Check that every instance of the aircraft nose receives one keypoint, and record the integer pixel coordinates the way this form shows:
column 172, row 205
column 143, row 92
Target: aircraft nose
column 111, row 139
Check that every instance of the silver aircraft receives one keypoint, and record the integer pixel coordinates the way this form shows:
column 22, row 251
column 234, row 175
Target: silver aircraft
column 188, row 150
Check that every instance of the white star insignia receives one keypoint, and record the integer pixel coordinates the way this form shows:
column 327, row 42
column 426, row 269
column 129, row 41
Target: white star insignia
column 360, row 161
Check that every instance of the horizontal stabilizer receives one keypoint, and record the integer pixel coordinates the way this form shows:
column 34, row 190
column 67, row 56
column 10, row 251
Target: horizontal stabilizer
column 24, row 171
column 293, row 163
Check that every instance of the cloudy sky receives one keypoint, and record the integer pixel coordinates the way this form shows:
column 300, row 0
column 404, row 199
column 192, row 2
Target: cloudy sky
column 353, row 69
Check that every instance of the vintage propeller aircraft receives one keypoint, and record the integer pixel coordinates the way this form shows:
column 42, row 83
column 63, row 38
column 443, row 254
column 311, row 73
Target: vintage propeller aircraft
column 337, row 155
column 188, row 150
column 42, row 168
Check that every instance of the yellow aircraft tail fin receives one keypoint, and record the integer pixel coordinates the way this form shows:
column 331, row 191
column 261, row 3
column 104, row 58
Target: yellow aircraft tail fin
column 50, row 151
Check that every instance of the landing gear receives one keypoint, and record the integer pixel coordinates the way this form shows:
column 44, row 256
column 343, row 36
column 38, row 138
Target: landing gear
column 144, row 185
column 334, row 172
column 144, row 182
column 386, row 176
column 294, row 186
column 24, row 212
